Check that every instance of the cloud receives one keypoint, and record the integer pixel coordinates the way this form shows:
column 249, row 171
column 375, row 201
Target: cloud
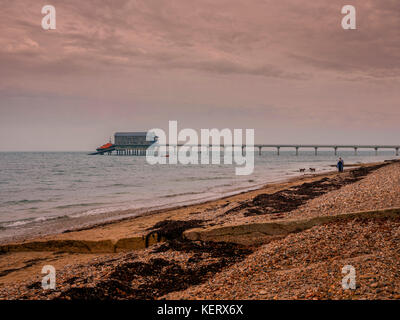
column 261, row 38
column 144, row 61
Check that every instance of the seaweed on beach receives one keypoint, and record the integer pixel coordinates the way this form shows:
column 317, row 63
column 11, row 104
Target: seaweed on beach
column 290, row 199
column 171, row 229
column 157, row 277
column 213, row 249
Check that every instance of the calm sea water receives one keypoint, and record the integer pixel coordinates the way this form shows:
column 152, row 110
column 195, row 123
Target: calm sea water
column 47, row 192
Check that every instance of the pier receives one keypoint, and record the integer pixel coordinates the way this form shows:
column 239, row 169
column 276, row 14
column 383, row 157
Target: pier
column 136, row 144
column 140, row 150
column 335, row 148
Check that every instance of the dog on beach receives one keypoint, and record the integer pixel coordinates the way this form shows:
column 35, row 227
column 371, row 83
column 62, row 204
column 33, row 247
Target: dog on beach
column 302, row 170
column 312, row 169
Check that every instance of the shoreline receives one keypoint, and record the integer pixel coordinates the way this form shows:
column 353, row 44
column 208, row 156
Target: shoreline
column 131, row 213
column 203, row 241
column 176, row 212
column 57, row 222
column 128, row 214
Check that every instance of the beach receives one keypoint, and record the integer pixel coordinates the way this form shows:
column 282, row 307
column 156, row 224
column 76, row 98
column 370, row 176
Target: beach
column 284, row 240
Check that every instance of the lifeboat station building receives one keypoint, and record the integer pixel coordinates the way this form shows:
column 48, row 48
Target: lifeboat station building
column 132, row 143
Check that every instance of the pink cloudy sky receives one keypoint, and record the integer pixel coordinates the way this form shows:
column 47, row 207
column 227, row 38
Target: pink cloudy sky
column 285, row 68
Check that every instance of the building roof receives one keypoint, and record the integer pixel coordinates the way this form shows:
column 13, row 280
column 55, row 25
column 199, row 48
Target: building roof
column 131, row 134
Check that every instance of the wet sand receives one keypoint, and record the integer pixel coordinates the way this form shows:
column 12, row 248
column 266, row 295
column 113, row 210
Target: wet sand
column 135, row 258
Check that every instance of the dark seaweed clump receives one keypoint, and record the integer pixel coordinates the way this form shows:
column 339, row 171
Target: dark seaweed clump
column 171, row 229
column 157, row 277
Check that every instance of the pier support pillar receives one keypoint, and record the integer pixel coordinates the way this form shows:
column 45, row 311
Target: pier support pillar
column 397, row 152
column 376, row 151
column 278, row 150
column 297, row 151
column 335, row 151
column 243, row 150
column 316, row 151
column 259, row 151
column 355, row 151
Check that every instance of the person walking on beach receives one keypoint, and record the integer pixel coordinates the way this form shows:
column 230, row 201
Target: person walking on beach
column 340, row 165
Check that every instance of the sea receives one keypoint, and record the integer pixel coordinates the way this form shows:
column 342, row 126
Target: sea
column 50, row 192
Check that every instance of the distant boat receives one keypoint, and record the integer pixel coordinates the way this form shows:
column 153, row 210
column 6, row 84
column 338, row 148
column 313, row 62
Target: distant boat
column 105, row 146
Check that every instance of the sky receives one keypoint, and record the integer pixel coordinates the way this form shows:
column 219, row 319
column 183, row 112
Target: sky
column 286, row 69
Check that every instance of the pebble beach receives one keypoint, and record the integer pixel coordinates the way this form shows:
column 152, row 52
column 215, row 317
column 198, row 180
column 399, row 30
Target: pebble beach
column 306, row 264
